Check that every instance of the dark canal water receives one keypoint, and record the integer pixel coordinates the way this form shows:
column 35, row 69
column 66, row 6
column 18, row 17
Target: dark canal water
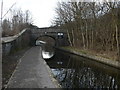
column 77, row 72
column 73, row 71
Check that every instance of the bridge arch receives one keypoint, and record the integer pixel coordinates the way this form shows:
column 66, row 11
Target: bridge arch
column 50, row 40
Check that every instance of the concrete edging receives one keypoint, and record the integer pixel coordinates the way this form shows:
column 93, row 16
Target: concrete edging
column 56, row 83
column 12, row 38
column 109, row 62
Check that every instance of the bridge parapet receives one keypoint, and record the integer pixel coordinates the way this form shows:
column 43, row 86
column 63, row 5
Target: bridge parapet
column 43, row 30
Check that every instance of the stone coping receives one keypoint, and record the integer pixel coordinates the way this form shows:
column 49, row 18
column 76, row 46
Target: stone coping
column 12, row 38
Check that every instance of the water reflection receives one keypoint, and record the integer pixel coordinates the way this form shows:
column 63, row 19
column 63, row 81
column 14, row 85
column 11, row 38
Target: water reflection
column 47, row 51
column 47, row 55
column 47, row 48
column 78, row 72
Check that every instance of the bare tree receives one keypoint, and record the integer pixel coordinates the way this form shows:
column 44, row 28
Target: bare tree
column 91, row 25
column 17, row 22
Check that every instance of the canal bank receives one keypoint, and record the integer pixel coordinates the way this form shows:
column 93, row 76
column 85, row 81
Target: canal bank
column 99, row 59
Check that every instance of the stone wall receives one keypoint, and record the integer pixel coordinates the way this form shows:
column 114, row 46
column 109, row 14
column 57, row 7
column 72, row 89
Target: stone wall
column 15, row 43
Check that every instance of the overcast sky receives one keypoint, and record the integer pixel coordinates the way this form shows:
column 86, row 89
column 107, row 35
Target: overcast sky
column 43, row 11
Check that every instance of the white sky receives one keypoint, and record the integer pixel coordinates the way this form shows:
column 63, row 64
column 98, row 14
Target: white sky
column 43, row 11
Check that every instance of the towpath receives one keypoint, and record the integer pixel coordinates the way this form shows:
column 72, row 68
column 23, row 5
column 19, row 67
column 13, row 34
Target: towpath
column 32, row 72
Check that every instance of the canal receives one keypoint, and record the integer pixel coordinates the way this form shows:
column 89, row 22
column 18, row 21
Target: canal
column 74, row 71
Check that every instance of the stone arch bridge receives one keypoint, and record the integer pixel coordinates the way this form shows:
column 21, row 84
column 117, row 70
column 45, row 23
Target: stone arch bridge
column 59, row 35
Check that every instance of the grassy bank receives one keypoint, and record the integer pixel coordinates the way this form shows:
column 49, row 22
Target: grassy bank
column 105, row 58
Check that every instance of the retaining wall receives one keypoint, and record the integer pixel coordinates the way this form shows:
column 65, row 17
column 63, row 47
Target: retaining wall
column 15, row 43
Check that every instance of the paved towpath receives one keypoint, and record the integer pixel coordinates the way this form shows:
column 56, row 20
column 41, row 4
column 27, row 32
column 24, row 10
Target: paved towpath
column 32, row 72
